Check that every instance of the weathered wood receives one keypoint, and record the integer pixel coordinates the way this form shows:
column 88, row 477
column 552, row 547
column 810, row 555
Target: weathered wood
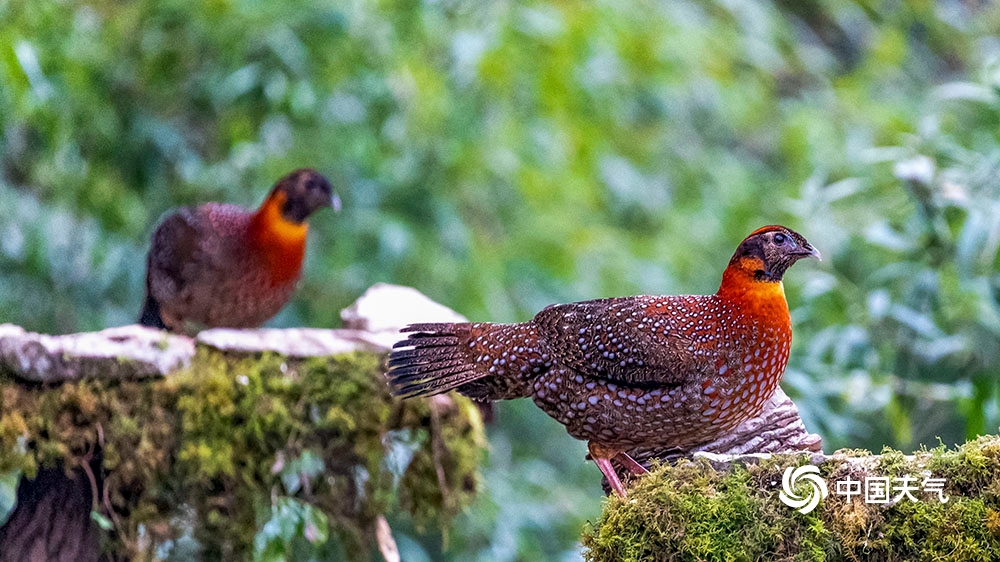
column 384, row 309
column 128, row 352
column 372, row 324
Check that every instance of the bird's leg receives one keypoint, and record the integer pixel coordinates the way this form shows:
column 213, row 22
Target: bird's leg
column 630, row 463
column 609, row 473
column 602, row 458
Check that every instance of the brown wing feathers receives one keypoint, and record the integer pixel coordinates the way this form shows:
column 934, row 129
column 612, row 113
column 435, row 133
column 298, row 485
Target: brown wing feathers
column 590, row 338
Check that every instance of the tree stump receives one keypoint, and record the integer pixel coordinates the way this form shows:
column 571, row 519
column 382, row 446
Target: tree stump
column 132, row 441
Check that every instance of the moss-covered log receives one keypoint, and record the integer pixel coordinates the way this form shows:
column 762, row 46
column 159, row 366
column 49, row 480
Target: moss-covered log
column 223, row 443
column 235, row 454
column 728, row 508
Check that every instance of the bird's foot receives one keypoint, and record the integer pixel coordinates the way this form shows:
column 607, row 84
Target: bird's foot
column 631, row 464
column 602, row 456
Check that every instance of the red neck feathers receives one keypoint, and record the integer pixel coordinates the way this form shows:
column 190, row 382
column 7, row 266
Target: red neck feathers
column 280, row 242
column 761, row 298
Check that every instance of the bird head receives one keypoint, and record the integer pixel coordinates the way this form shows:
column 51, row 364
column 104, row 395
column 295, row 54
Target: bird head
column 301, row 193
column 770, row 250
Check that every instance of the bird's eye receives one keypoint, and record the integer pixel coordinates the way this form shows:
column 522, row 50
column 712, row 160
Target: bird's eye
column 779, row 238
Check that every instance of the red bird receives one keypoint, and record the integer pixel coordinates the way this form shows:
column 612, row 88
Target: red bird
column 671, row 371
column 219, row 265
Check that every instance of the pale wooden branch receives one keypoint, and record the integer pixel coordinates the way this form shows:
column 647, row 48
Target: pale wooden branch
column 372, row 324
column 128, row 352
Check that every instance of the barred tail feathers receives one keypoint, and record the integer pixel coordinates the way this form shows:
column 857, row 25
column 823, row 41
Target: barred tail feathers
column 484, row 361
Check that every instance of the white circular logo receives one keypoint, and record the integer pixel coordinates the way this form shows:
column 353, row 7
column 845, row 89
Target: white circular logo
column 817, row 488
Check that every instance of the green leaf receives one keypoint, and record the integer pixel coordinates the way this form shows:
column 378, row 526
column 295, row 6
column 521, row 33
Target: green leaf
column 8, row 493
column 103, row 522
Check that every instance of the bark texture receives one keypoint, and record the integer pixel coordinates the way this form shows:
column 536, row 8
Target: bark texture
column 51, row 522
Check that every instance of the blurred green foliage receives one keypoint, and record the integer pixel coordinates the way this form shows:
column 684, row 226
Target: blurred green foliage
column 502, row 156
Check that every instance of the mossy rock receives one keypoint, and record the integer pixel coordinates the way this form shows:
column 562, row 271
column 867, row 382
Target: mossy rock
column 695, row 510
column 234, row 450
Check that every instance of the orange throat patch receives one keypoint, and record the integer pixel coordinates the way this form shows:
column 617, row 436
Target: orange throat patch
column 763, row 299
column 280, row 242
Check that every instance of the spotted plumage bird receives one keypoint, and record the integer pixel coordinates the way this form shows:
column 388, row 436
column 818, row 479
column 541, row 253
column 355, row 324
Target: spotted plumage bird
column 672, row 371
column 220, row 265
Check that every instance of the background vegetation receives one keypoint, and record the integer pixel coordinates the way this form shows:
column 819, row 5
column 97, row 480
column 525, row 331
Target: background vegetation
column 502, row 156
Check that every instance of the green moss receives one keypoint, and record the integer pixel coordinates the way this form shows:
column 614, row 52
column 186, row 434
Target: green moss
column 690, row 511
column 221, row 441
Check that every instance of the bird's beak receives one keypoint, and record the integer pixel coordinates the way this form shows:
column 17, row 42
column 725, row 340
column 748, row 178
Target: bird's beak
column 335, row 203
column 807, row 251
